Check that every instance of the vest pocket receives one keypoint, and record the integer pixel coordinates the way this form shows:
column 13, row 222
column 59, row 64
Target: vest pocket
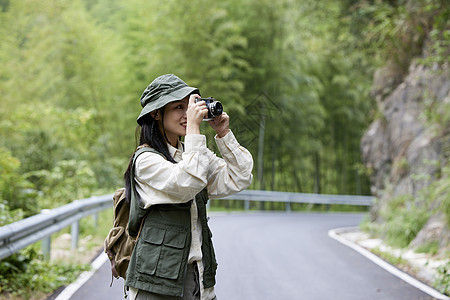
column 161, row 252
column 171, row 254
column 149, row 250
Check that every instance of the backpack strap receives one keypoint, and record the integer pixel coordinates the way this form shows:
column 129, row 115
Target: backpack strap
column 137, row 213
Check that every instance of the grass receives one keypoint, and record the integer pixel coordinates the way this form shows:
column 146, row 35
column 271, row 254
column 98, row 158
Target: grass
column 441, row 281
column 431, row 247
column 392, row 259
column 92, row 236
column 397, row 232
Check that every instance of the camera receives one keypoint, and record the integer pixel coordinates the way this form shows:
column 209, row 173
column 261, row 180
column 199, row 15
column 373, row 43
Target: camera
column 215, row 108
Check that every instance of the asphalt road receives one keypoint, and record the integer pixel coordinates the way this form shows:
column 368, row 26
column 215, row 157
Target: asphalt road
column 282, row 256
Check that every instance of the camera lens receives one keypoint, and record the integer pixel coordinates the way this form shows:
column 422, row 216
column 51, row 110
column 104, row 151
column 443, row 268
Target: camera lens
column 216, row 108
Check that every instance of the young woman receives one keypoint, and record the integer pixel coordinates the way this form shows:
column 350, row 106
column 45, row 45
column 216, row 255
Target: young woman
column 174, row 256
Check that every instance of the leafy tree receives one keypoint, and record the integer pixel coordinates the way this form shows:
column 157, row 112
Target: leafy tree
column 67, row 181
column 16, row 193
column 73, row 73
column 64, row 83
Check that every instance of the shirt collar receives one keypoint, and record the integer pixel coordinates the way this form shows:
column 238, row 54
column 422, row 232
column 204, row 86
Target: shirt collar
column 175, row 152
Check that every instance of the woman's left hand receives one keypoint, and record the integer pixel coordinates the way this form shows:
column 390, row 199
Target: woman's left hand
column 221, row 124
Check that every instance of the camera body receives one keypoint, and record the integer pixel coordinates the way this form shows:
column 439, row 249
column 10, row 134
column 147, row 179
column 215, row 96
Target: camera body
column 215, row 108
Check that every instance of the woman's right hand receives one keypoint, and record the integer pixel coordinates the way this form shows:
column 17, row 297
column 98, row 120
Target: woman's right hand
column 195, row 113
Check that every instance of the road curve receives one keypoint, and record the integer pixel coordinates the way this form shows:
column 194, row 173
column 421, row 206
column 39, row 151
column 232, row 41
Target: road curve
column 282, row 256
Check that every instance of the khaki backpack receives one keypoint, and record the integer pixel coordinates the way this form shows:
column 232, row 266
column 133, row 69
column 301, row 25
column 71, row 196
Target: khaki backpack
column 119, row 244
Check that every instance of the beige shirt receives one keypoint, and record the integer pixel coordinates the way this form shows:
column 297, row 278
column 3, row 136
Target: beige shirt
column 159, row 181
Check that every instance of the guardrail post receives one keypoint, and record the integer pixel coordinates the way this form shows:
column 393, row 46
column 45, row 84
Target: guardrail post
column 74, row 231
column 288, row 206
column 45, row 246
column 95, row 219
column 46, row 242
column 246, row 204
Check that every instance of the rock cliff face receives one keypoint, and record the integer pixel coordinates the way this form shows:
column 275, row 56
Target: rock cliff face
column 403, row 148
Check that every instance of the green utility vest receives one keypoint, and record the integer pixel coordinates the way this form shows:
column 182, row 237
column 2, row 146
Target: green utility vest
column 158, row 263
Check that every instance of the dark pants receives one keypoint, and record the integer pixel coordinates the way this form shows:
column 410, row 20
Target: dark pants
column 191, row 288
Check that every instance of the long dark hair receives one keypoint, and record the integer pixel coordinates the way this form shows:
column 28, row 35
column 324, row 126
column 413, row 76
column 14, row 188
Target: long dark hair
column 152, row 133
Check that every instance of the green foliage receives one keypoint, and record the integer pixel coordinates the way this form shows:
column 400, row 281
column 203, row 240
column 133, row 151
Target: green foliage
column 439, row 33
column 8, row 215
column 16, row 193
column 431, row 247
column 25, row 273
column 73, row 72
column 442, row 281
column 393, row 259
column 397, row 31
column 436, row 193
column 67, row 181
column 55, row 52
column 305, row 57
column 439, row 192
column 445, row 206
column 99, row 229
column 85, row 64
column 436, row 114
column 404, row 216
column 403, row 220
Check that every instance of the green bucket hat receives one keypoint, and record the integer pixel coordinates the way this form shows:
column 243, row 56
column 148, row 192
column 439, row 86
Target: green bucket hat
column 164, row 89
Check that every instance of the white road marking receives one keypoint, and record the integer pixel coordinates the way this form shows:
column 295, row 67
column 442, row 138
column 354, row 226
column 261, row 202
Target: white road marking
column 85, row 276
column 333, row 233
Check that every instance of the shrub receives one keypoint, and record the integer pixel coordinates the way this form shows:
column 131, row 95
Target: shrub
column 404, row 223
column 25, row 273
column 8, row 216
column 442, row 282
column 67, row 181
column 16, row 192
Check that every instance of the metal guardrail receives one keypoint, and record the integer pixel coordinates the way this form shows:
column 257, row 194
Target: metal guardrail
column 18, row 235
column 272, row 196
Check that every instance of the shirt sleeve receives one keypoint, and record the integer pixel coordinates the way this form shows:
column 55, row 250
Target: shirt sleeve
column 159, row 181
column 233, row 172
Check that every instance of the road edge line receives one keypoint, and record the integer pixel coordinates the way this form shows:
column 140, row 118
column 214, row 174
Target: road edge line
column 333, row 233
column 82, row 278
